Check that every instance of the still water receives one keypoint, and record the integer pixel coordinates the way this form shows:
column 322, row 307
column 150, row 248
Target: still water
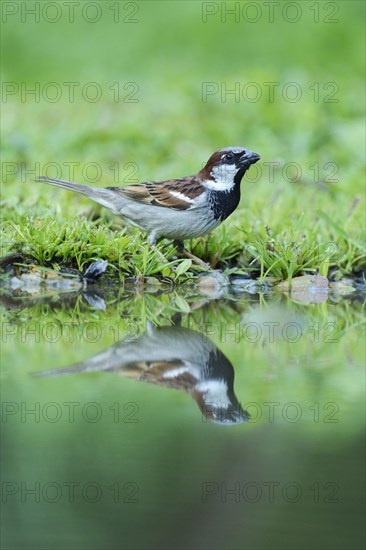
column 158, row 419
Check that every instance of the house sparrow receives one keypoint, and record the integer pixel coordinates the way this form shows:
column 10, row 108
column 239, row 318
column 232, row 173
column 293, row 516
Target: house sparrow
column 177, row 209
column 172, row 357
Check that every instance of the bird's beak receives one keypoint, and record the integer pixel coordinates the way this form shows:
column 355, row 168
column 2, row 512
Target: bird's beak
column 248, row 158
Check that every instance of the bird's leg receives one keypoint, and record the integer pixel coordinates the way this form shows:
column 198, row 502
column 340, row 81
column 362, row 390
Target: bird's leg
column 180, row 248
column 152, row 239
column 152, row 243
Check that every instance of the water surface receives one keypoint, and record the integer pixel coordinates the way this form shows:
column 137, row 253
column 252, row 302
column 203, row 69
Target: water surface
column 177, row 420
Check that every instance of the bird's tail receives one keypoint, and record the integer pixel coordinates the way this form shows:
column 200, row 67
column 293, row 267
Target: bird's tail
column 105, row 197
column 106, row 360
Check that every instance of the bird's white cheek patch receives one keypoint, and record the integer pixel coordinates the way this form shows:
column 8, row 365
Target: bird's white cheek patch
column 222, row 178
column 215, row 392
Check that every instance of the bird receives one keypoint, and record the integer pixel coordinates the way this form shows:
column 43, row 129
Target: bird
column 172, row 357
column 176, row 209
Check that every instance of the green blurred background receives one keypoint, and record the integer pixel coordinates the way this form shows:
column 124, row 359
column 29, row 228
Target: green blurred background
column 159, row 55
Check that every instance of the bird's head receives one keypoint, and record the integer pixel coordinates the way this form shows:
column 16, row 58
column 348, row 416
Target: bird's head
column 226, row 167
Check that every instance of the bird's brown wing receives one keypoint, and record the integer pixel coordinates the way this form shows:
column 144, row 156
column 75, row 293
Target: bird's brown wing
column 173, row 373
column 178, row 194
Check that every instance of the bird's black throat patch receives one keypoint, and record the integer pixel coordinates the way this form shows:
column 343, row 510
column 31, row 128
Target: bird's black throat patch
column 223, row 203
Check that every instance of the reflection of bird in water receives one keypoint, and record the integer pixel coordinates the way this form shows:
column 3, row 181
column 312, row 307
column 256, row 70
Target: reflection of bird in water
column 174, row 357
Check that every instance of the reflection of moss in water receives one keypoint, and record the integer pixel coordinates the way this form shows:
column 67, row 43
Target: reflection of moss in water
column 155, row 438
column 300, row 351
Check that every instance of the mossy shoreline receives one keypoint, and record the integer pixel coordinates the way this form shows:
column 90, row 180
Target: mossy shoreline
column 70, row 246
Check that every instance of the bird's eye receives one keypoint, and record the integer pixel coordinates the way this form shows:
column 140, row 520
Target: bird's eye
column 229, row 156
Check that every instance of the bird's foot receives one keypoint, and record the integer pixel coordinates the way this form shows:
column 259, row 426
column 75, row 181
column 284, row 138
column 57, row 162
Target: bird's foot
column 162, row 257
column 196, row 261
